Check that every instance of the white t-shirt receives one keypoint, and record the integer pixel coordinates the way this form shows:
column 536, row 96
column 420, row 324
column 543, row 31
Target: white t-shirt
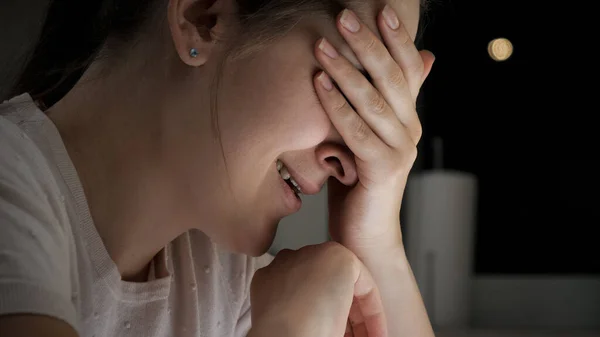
column 53, row 262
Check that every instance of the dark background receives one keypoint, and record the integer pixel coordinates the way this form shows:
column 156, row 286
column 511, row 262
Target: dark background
column 538, row 205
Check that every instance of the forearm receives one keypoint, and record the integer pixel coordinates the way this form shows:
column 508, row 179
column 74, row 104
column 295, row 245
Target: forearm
column 404, row 308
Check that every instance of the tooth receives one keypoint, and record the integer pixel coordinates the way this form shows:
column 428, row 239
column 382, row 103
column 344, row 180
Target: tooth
column 279, row 165
column 284, row 173
column 295, row 185
column 294, row 182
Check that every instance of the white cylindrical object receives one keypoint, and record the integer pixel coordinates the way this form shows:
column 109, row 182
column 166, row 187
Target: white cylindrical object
column 440, row 219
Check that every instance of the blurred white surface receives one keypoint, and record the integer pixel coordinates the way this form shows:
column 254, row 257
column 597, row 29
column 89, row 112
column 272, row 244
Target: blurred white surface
column 441, row 207
column 307, row 227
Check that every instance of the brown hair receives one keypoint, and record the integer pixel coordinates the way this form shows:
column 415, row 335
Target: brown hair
column 75, row 32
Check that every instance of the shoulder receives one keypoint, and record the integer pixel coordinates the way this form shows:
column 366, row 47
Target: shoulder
column 19, row 156
column 26, row 179
column 16, row 146
column 34, row 244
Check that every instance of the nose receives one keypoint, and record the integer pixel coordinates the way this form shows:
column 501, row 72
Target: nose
column 338, row 162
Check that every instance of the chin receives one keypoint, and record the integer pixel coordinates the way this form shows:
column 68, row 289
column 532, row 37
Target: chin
column 259, row 241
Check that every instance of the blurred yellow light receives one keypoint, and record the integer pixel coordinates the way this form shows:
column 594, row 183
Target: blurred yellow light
column 500, row 49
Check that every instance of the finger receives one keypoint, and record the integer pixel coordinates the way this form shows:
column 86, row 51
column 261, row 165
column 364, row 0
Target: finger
column 387, row 75
column 372, row 316
column 402, row 49
column 367, row 101
column 348, row 332
column 428, row 59
column 357, row 134
column 357, row 321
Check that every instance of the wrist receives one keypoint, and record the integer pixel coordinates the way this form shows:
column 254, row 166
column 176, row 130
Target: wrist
column 385, row 244
column 383, row 255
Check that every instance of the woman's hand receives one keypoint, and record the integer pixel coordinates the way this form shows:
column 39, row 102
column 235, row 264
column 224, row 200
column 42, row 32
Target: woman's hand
column 315, row 291
column 378, row 123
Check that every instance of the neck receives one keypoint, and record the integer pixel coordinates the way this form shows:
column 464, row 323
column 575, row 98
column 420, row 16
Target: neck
column 115, row 140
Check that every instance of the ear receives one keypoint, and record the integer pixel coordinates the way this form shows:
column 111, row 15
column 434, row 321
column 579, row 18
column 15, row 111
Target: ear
column 194, row 24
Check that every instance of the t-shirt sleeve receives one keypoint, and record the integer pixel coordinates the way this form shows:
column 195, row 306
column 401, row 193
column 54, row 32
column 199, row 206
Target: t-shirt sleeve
column 34, row 251
column 244, row 322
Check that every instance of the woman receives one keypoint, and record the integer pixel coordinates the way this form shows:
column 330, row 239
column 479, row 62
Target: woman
column 131, row 202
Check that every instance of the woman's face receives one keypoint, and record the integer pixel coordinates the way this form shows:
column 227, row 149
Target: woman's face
column 268, row 111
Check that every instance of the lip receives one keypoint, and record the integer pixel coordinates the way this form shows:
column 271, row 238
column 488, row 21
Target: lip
column 293, row 202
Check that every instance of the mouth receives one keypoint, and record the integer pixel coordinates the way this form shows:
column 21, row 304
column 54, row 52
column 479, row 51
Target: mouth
column 287, row 177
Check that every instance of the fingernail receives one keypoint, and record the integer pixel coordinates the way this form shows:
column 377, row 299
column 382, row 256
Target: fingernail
column 349, row 21
column 390, row 17
column 325, row 81
column 327, row 48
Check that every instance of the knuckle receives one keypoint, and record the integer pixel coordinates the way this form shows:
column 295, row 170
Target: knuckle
column 347, row 71
column 397, row 79
column 377, row 50
column 331, row 248
column 418, row 133
column 411, row 155
column 340, row 106
column 376, row 103
column 371, row 45
column 415, row 73
column 417, row 69
column 360, row 130
column 339, row 254
column 406, row 155
column 403, row 36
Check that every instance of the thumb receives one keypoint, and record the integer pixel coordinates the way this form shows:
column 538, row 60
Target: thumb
column 428, row 59
column 367, row 317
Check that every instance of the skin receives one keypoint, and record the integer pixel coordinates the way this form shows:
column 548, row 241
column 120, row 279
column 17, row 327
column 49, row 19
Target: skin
column 153, row 165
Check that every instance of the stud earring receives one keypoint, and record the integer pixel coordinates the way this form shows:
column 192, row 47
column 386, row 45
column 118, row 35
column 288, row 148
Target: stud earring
column 193, row 52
